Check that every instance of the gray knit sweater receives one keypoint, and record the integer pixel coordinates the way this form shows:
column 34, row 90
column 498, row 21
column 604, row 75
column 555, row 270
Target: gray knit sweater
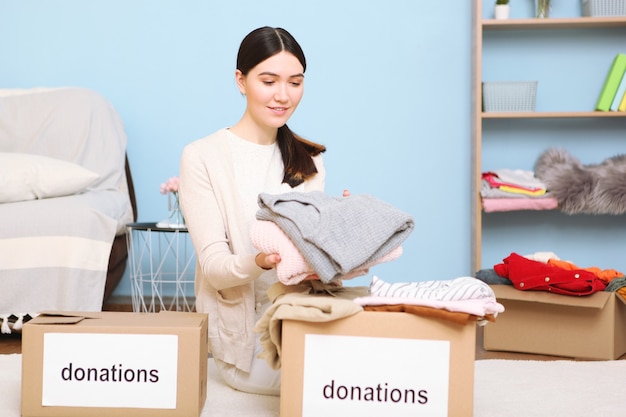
column 337, row 234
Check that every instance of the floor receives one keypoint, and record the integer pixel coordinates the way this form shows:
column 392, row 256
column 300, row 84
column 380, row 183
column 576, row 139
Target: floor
column 13, row 343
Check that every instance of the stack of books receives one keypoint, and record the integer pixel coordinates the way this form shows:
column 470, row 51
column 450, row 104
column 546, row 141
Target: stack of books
column 613, row 94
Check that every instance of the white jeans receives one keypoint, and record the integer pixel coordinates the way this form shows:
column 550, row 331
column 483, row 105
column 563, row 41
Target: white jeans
column 261, row 379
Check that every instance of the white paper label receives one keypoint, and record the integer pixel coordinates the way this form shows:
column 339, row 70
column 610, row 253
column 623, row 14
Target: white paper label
column 110, row 370
column 375, row 376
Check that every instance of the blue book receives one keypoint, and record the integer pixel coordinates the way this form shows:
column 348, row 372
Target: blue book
column 620, row 94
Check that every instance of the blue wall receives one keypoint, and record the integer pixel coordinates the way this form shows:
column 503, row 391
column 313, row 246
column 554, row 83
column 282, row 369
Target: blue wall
column 387, row 90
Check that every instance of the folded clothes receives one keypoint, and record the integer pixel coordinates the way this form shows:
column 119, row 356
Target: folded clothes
column 527, row 274
column 464, row 294
column 309, row 301
column 292, row 269
column 437, row 313
column 515, row 178
column 337, row 235
column 491, row 277
column 487, row 191
column 513, row 204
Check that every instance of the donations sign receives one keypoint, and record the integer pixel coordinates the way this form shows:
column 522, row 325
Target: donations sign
column 110, row 370
column 375, row 376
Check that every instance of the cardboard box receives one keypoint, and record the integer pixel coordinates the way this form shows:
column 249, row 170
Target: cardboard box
column 586, row 327
column 114, row 364
column 377, row 364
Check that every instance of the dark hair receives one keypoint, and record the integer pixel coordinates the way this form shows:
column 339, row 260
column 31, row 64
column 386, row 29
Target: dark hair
column 297, row 152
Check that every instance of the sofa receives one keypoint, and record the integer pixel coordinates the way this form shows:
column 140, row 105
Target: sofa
column 66, row 195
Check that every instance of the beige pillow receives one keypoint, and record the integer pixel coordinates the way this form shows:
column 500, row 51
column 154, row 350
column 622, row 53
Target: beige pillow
column 29, row 177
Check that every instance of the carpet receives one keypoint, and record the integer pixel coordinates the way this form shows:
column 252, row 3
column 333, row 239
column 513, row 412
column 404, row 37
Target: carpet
column 503, row 388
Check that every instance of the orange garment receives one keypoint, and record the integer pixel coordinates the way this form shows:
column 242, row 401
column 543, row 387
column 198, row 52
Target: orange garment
column 453, row 316
column 605, row 275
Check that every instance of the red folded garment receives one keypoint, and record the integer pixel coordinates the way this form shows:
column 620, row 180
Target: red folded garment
column 527, row 274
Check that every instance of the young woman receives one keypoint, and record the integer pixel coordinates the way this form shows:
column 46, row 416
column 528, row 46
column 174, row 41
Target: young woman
column 221, row 177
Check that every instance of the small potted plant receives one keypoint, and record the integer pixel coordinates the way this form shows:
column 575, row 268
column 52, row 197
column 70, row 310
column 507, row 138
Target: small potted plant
column 501, row 10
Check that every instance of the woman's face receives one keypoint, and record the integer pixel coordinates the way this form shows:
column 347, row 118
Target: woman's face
column 273, row 89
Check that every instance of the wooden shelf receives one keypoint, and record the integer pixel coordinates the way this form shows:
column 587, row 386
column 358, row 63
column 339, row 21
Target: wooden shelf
column 481, row 120
column 554, row 23
column 552, row 115
column 516, row 211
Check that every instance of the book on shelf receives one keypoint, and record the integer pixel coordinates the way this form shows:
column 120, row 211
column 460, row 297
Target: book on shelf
column 611, row 83
column 621, row 89
column 622, row 105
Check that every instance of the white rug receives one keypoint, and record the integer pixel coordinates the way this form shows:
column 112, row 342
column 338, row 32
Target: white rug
column 502, row 388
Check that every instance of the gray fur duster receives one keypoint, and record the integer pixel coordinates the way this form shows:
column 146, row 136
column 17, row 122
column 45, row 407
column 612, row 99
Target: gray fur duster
column 591, row 189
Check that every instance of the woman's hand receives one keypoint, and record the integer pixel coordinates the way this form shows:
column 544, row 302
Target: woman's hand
column 267, row 261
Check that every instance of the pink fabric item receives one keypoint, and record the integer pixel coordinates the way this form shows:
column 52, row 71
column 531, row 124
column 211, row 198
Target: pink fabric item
column 491, row 205
column 267, row 237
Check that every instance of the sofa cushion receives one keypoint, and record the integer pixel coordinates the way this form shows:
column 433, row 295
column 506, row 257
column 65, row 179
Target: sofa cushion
column 29, row 177
column 73, row 124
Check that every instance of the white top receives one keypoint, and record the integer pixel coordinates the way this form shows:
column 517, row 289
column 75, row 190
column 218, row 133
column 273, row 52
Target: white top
column 217, row 219
column 256, row 167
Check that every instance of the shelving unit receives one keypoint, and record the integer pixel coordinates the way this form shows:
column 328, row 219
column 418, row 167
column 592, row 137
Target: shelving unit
column 550, row 115
column 479, row 27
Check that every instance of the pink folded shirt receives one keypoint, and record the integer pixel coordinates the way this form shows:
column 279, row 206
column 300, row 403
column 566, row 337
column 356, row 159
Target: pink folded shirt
column 491, row 205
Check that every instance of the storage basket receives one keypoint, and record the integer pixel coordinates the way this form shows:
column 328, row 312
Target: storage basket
column 596, row 8
column 509, row 96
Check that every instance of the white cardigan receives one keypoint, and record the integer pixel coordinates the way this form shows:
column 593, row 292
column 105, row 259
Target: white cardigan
column 225, row 268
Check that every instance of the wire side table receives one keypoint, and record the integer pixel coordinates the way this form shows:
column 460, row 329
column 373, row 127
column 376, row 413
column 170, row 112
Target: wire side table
column 162, row 268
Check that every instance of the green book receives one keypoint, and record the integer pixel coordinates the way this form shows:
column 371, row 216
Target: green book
column 611, row 83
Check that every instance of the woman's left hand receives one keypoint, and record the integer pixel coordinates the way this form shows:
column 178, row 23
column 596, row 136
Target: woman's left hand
column 267, row 261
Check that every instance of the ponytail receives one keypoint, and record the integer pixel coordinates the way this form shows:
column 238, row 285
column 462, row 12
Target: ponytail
column 297, row 154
